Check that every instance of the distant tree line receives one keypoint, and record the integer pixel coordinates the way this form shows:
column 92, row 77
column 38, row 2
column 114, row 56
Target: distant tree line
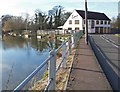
column 115, row 22
column 41, row 21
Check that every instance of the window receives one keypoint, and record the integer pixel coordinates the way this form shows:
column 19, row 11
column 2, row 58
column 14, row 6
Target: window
column 76, row 21
column 96, row 30
column 92, row 24
column 108, row 22
column 69, row 28
column 101, row 29
column 105, row 28
column 89, row 22
column 77, row 28
column 101, row 22
column 105, row 22
column 97, row 21
column 70, row 21
column 84, row 21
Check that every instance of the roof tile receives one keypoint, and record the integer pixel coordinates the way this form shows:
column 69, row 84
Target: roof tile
column 93, row 15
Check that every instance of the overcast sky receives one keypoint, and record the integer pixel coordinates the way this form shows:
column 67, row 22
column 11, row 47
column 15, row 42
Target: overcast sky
column 19, row 7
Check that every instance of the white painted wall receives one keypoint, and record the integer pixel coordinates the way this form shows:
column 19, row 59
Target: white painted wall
column 81, row 23
column 73, row 18
column 92, row 30
column 102, row 25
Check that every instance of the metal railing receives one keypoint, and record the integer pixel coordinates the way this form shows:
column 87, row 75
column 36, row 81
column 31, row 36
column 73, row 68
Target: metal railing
column 51, row 60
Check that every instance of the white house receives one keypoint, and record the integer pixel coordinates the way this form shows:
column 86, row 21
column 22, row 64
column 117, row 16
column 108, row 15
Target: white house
column 97, row 22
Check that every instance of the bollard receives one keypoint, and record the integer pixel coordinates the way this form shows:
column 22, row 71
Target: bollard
column 52, row 70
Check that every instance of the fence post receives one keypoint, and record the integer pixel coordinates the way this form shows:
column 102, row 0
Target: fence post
column 52, row 70
column 73, row 39
column 64, row 54
column 77, row 37
column 69, row 47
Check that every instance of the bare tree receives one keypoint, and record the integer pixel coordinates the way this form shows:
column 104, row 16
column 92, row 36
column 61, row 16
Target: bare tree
column 41, row 19
column 57, row 12
column 116, row 22
column 16, row 24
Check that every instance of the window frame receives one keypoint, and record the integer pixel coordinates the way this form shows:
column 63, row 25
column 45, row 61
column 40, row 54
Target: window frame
column 105, row 22
column 101, row 22
column 69, row 28
column 78, row 22
column 70, row 21
column 92, row 24
column 77, row 28
column 108, row 22
column 97, row 22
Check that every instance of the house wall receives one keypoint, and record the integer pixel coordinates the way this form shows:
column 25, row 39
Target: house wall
column 74, row 16
column 103, row 28
column 96, row 28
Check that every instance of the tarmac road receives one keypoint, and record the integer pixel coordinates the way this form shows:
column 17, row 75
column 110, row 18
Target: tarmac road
column 113, row 38
column 106, row 49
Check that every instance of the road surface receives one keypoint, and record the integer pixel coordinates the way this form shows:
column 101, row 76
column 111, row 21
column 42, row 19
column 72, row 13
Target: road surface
column 106, row 48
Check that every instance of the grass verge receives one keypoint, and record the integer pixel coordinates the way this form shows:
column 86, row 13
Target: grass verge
column 117, row 35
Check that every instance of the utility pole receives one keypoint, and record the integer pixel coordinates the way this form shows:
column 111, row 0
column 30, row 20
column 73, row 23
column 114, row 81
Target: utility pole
column 86, row 24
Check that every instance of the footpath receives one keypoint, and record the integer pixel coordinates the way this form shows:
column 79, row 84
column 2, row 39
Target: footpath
column 86, row 73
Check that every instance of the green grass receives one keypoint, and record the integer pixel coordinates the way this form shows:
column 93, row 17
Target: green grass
column 66, row 35
column 117, row 35
column 62, row 37
column 45, row 74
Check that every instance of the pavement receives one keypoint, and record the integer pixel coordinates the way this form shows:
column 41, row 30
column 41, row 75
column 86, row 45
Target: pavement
column 86, row 73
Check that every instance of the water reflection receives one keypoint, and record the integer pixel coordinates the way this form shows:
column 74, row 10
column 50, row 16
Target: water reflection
column 20, row 57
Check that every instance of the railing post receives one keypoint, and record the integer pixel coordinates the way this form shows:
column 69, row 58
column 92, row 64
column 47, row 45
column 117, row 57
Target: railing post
column 77, row 37
column 73, row 40
column 52, row 70
column 69, row 47
column 64, row 54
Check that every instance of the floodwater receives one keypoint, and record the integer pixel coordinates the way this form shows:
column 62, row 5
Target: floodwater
column 20, row 57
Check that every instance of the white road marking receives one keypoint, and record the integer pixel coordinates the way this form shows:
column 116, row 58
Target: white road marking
column 109, row 41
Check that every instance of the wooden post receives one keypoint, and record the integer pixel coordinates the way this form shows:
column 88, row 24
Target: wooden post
column 52, row 70
column 86, row 23
column 64, row 54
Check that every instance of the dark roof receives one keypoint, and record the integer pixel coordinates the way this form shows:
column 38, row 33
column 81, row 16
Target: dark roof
column 93, row 15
